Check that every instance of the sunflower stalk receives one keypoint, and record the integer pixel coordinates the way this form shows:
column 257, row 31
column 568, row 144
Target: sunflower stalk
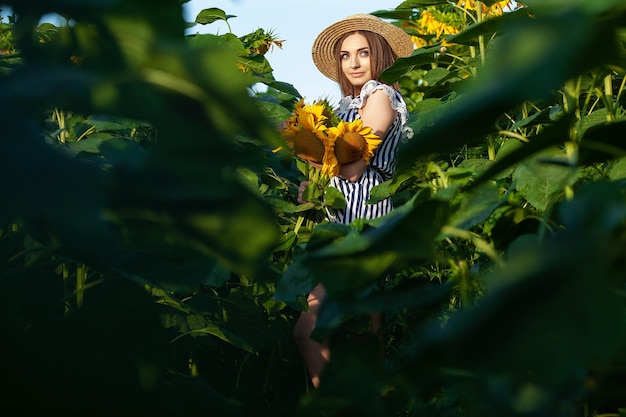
column 608, row 98
column 81, row 280
column 481, row 38
column 317, row 184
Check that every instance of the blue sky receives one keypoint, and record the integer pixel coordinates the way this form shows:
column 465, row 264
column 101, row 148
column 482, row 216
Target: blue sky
column 297, row 23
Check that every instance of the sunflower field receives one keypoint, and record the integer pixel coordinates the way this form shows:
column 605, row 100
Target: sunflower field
column 154, row 257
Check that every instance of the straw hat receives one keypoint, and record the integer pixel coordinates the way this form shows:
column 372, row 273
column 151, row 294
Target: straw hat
column 324, row 45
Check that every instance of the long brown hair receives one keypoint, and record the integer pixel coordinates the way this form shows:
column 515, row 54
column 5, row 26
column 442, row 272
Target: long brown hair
column 381, row 58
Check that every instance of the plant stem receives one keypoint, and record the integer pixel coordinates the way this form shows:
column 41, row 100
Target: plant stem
column 481, row 38
column 608, row 98
column 81, row 280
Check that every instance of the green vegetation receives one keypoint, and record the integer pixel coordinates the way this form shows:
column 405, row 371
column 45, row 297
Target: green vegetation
column 153, row 257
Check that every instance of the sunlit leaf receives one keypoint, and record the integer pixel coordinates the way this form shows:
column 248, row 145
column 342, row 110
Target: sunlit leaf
column 334, row 198
column 211, row 15
column 195, row 325
column 402, row 66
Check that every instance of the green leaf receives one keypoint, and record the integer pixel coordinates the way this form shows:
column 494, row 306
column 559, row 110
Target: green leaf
column 244, row 316
column 392, row 242
column 106, row 122
column 293, row 287
column 257, row 64
column 411, row 294
column 123, row 152
column 196, row 325
column 476, row 206
column 394, row 14
column 213, row 14
column 618, row 170
column 207, row 40
column 403, row 65
column 380, row 192
column 539, row 118
column 435, row 76
column 334, row 198
column 274, row 113
column 543, row 178
column 90, row 144
column 282, row 86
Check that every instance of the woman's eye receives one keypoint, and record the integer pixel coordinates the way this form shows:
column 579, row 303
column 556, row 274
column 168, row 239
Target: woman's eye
column 344, row 56
column 365, row 53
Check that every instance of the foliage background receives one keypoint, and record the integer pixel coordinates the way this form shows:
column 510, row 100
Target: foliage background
column 154, row 257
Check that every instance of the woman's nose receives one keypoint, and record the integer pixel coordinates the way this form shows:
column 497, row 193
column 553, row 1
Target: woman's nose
column 355, row 62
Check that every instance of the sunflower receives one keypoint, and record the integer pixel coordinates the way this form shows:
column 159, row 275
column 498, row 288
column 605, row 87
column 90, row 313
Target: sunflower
column 349, row 141
column 331, row 118
column 304, row 131
column 496, row 9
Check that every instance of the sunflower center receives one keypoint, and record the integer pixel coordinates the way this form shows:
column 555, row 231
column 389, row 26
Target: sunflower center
column 349, row 147
column 308, row 146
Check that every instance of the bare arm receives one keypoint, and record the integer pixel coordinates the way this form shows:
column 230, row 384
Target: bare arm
column 378, row 115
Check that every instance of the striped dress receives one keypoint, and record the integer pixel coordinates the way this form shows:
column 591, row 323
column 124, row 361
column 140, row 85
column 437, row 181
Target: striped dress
column 382, row 165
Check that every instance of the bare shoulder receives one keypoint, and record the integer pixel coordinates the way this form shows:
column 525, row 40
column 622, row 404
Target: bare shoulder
column 378, row 101
column 379, row 96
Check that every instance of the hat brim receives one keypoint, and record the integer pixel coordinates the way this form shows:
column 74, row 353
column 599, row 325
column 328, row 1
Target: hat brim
column 323, row 51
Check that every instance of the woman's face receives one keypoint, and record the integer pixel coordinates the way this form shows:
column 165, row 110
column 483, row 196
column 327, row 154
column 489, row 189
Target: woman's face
column 355, row 59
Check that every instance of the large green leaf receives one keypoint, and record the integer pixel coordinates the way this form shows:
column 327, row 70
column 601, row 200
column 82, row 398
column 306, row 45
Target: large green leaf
column 476, row 206
column 275, row 113
column 542, row 180
column 210, row 40
column 420, row 58
column 359, row 259
column 211, row 15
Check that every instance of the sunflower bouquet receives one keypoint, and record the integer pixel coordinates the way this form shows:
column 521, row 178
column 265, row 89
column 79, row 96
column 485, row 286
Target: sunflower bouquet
column 316, row 134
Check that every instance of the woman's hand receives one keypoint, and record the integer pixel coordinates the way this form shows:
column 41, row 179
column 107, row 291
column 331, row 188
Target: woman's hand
column 353, row 170
column 301, row 189
column 315, row 164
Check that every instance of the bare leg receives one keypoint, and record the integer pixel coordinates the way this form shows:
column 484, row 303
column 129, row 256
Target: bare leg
column 314, row 354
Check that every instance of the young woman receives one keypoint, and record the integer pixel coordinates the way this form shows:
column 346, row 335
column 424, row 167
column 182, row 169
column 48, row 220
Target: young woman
column 354, row 52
